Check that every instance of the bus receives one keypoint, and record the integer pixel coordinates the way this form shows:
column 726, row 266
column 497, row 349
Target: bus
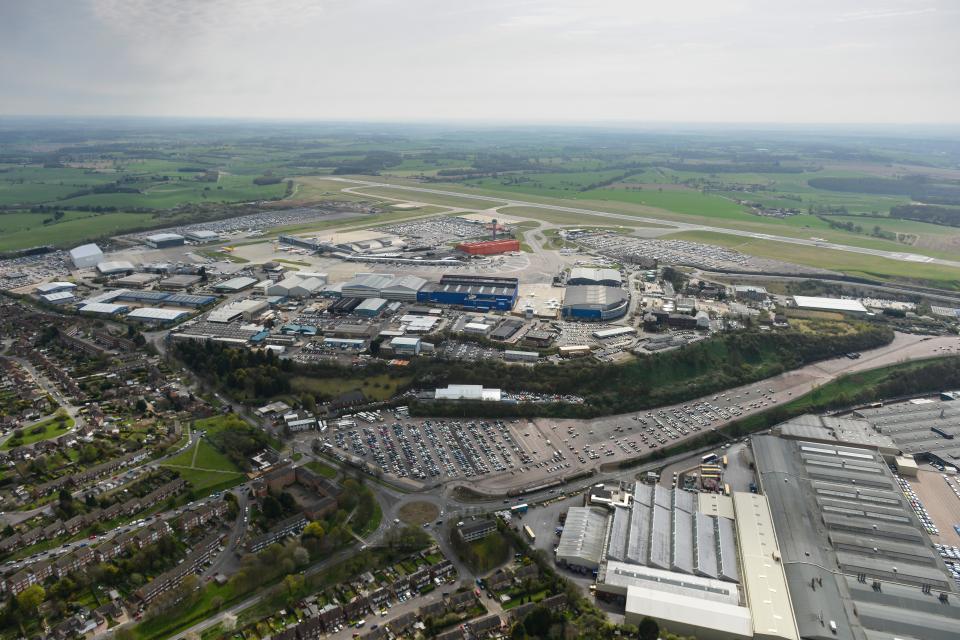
column 726, row 489
column 709, row 458
column 520, row 508
column 527, row 530
column 724, row 462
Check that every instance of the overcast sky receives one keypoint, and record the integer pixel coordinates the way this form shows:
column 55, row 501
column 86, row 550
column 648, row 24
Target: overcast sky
column 491, row 60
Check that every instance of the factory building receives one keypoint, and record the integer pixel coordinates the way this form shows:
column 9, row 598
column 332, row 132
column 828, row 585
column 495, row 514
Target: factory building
column 467, row 392
column 59, row 297
column 54, row 287
column 511, row 355
column 137, row 280
column 113, row 267
column 86, row 256
column 103, row 309
column 583, row 538
column 234, row 285
column 589, row 276
column 482, row 293
column 857, row 560
column 179, row 282
column 406, row 346
column 164, row 240
column 595, row 303
column 202, row 235
column 294, row 286
column 155, row 316
column 370, row 308
column 367, row 285
column 842, row 305
column 241, row 309
column 489, row 247
column 404, row 288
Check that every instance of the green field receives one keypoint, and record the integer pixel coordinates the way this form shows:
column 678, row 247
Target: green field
column 324, row 470
column 21, row 230
column 382, row 387
column 45, row 430
column 851, row 263
column 204, row 467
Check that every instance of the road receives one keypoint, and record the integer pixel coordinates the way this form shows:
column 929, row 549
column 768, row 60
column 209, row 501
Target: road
column 899, row 256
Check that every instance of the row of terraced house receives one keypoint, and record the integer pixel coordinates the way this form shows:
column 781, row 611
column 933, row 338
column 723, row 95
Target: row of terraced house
column 77, row 523
column 203, row 551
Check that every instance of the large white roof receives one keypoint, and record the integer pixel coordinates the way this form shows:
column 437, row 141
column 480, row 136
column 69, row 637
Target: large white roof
column 829, row 304
column 103, row 307
column 114, row 266
column 85, row 250
column 467, row 392
column 152, row 313
column 723, row 619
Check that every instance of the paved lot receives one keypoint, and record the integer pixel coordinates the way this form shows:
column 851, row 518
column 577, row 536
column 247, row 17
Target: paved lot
column 941, row 503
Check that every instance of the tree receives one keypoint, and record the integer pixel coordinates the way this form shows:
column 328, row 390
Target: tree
column 271, row 508
column 648, row 629
column 31, row 598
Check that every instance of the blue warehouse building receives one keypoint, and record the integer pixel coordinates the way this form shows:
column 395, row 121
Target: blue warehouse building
column 483, row 293
column 595, row 303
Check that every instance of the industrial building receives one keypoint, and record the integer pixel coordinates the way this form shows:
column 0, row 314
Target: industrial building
column 202, row 235
column 113, row 267
column 234, row 285
column 614, row 332
column 590, row 276
column 164, row 240
column 366, row 285
column 137, row 280
column 103, row 309
column 583, row 539
column 843, row 305
column 489, row 247
column 925, row 429
column 857, row 560
column 404, row 288
column 370, row 308
column 473, row 292
column 153, row 315
column 86, row 256
column 467, row 392
column 476, row 529
column 54, row 287
column 595, row 303
column 406, row 345
column 241, row 309
column 511, row 355
column 294, row 286
column 59, row 297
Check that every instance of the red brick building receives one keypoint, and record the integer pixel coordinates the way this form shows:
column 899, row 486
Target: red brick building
column 489, row 247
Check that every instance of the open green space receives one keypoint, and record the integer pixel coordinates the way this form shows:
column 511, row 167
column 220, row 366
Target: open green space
column 856, row 264
column 377, row 387
column 20, row 230
column 45, row 430
column 324, row 470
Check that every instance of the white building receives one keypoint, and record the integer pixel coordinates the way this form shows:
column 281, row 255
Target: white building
column 85, row 256
column 202, row 235
column 111, row 267
column 245, row 309
column 843, row 305
column 467, row 392
column 406, row 345
column 55, row 287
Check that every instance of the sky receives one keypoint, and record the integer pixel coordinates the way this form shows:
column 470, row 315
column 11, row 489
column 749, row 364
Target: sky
column 519, row 61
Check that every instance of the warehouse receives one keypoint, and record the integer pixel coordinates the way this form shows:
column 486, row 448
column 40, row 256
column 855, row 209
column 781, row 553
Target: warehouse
column 370, row 308
column 367, row 285
column 59, row 297
column 202, row 235
column 104, row 309
column 511, row 355
column 85, row 256
column 55, row 287
column 137, row 280
column 233, row 285
column 583, row 538
column 187, row 300
column 614, row 332
column 164, row 240
column 870, row 581
column 245, row 309
column 304, row 287
column 345, row 343
column 155, row 316
column 151, row 297
column 113, row 267
column 404, row 288
column 843, row 305
column 920, row 429
column 595, row 303
column 467, row 392
column 343, row 306
column 476, row 328
column 489, row 247
column 474, row 292
column 506, row 329
column 590, row 276
column 406, row 346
